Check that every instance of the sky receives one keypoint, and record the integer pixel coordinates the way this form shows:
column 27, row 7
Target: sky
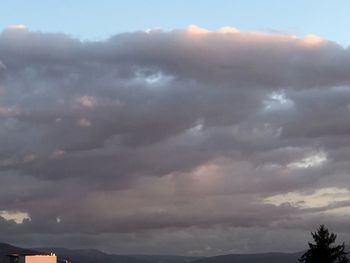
column 191, row 128
column 97, row 20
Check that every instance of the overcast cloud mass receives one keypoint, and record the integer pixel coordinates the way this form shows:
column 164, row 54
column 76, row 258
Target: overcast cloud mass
column 183, row 142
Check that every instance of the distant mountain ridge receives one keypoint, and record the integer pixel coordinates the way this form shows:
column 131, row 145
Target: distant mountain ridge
column 272, row 257
column 96, row 256
column 90, row 256
column 93, row 256
column 253, row 258
column 166, row 258
column 7, row 249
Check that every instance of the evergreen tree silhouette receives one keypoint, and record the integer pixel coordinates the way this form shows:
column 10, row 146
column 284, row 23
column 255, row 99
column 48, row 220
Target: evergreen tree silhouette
column 323, row 251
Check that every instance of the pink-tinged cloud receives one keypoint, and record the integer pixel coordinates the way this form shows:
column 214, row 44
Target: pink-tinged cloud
column 198, row 138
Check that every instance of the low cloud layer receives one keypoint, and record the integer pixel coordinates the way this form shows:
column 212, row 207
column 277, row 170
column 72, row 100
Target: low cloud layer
column 183, row 142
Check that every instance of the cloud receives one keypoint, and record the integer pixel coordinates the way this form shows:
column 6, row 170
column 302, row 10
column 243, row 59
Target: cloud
column 312, row 40
column 17, row 217
column 320, row 198
column 87, row 101
column 195, row 132
column 16, row 27
column 193, row 29
column 84, row 122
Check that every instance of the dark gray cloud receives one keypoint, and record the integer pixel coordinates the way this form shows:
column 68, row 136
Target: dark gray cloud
column 187, row 138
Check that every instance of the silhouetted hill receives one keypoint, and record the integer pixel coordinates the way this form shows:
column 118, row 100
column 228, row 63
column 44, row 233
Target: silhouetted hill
column 96, row 256
column 93, row 256
column 90, row 256
column 253, row 258
column 166, row 258
column 6, row 249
